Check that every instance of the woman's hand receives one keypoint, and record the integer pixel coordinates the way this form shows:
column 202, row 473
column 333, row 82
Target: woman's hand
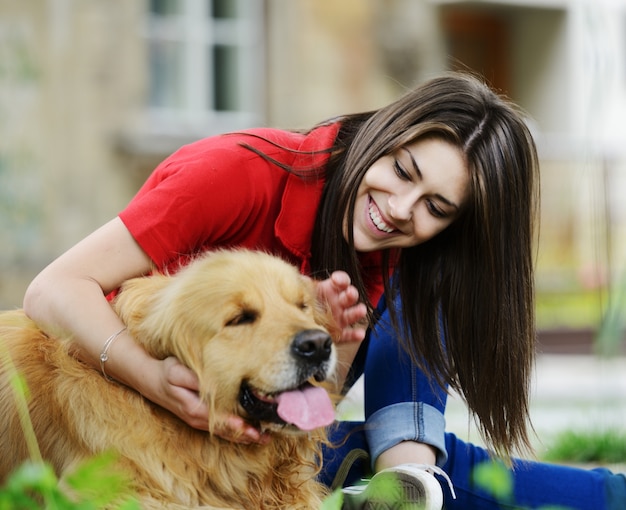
column 342, row 299
column 179, row 394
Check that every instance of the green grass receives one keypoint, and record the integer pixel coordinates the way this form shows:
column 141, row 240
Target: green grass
column 601, row 447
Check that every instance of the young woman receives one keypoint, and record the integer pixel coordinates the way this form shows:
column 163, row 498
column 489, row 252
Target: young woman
column 424, row 208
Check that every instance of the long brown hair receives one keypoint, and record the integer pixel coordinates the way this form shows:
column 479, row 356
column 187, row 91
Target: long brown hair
column 467, row 293
column 472, row 285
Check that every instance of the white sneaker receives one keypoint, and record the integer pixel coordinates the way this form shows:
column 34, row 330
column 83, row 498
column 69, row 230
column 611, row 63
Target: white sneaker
column 403, row 487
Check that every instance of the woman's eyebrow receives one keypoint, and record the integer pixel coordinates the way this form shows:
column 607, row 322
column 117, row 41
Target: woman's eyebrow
column 414, row 163
column 419, row 175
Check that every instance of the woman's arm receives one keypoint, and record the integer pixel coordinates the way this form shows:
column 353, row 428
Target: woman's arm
column 69, row 295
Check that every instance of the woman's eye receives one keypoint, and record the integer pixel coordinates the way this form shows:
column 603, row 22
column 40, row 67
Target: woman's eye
column 401, row 172
column 436, row 211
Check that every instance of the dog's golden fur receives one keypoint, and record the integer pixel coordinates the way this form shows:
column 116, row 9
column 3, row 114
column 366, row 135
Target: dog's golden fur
column 230, row 317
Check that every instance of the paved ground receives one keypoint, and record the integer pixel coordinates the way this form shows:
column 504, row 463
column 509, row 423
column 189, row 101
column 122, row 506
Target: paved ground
column 570, row 392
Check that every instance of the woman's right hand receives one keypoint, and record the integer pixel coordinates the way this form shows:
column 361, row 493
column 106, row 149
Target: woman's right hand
column 342, row 299
column 179, row 394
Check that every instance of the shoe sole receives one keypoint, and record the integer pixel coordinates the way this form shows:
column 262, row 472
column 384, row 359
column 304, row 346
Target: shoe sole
column 392, row 491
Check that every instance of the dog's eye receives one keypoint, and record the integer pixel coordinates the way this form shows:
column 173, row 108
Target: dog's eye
column 303, row 305
column 244, row 317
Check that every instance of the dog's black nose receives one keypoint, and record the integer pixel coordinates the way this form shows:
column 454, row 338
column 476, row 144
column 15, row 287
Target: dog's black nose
column 312, row 345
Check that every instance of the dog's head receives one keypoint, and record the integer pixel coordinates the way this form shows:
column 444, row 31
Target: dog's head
column 247, row 323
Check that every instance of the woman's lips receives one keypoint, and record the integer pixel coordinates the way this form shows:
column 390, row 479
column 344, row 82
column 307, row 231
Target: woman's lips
column 377, row 219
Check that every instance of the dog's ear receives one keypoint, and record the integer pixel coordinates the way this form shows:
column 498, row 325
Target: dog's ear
column 136, row 296
column 135, row 303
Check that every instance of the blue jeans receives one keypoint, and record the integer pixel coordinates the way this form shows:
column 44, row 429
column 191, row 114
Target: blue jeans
column 402, row 403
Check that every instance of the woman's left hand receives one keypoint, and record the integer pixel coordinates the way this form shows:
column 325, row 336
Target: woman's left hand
column 342, row 299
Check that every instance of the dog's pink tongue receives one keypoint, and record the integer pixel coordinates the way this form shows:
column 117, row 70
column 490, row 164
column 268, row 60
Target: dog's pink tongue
column 307, row 409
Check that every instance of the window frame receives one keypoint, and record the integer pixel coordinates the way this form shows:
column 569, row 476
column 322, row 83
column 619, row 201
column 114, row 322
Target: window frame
column 199, row 33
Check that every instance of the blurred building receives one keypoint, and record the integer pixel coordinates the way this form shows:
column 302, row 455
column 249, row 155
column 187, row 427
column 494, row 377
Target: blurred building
column 94, row 93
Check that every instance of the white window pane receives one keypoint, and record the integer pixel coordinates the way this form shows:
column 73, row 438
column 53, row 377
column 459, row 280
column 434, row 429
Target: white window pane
column 166, row 74
column 204, row 62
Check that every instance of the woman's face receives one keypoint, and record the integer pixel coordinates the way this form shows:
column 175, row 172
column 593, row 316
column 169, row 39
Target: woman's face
column 410, row 196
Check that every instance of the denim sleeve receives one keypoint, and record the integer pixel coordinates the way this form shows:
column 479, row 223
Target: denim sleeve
column 402, row 402
column 407, row 421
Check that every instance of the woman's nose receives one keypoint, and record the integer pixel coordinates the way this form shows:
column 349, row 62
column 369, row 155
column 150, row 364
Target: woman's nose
column 401, row 206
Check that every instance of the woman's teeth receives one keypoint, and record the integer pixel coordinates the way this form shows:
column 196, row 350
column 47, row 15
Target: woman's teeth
column 378, row 221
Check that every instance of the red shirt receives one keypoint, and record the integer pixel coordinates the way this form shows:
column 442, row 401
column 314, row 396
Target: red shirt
column 214, row 193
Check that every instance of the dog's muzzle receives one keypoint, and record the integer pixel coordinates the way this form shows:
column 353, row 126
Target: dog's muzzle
column 304, row 405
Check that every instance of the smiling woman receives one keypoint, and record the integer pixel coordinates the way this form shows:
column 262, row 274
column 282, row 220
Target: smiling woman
column 410, row 196
column 451, row 139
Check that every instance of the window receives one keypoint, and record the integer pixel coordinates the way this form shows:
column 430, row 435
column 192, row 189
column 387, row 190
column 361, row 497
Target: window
column 205, row 63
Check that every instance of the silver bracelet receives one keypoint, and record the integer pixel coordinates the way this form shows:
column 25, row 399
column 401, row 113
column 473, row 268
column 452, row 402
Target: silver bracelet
column 104, row 354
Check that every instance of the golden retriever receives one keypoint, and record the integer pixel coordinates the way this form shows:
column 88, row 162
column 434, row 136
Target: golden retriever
column 247, row 324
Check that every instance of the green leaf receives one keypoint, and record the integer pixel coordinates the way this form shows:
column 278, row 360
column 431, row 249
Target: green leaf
column 11, row 501
column 333, row 502
column 19, row 385
column 100, row 481
column 494, row 478
column 33, row 475
column 31, row 483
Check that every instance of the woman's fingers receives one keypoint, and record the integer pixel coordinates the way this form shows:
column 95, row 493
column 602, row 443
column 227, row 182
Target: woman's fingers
column 342, row 299
column 185, row 402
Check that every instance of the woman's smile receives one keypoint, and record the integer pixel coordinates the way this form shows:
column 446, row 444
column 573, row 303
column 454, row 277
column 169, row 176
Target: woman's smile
column 377, row 220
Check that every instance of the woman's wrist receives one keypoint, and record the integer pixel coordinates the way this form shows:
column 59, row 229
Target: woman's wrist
column 104, row 353
column 127, row 362
column 406, row 452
